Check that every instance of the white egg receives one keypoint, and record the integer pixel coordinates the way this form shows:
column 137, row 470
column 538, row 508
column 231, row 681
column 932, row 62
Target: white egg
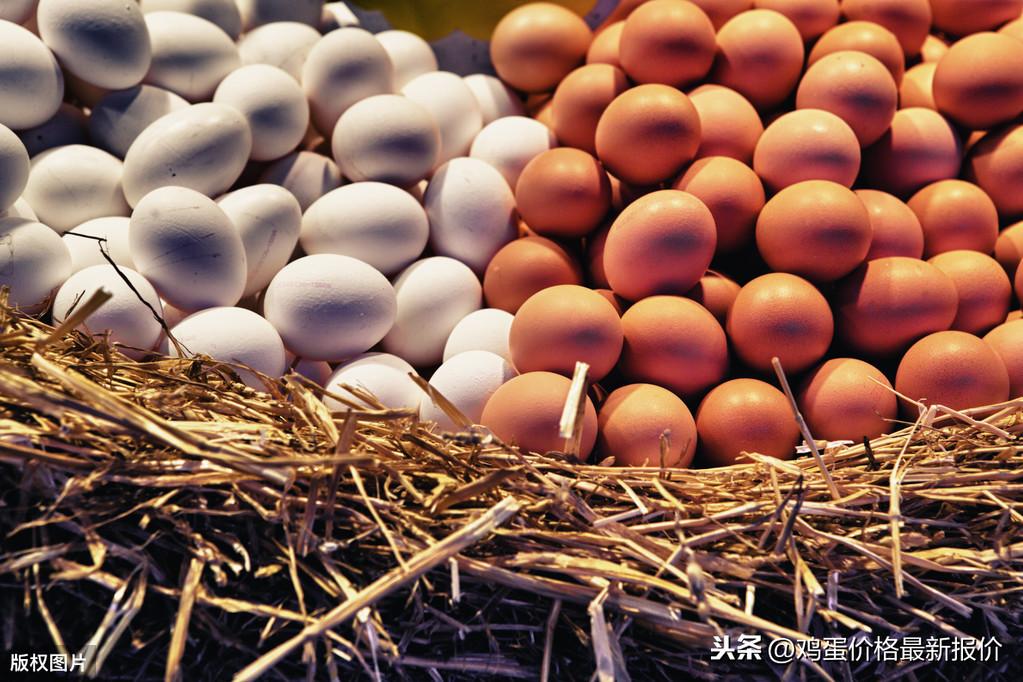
column 274, row 105
column 20, row 209
column 452, row 105
column 17, row 11
column 433, row 294
column 269, row 220
column 31, row 82
column 307, row 175
column 258, row 12
column 223, row 13
column 14, row 167
column 467, row 380
column 171, row 316
column 411, row 55
column 119, row 117
column 316, row 371
column 190, row 55
column 471, row 210
column 486, row 329
column 33, row 262
column 68, row 126
column 508, row 144
column 337, row 15
column 129, row 316
column 372, row 221
column 203, row 147
column 383, row 375
column 496, row 99
column 185, row 244
column 103, row 42
column 284, row 44
column 329, row 307
column 72, row 184
column 85, row 251
column 236, row 336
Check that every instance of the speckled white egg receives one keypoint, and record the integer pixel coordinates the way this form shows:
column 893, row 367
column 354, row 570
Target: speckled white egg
column 203, row 147
column 20, row 209
column 127, row 318
column 236, row 336
column 69, row 125
column 223, row 13
column 433, row 294
column 453, row 107
column 307, row 175
column 33, row 262
column 84, row 247
column 14, row 167
column 185, row 244
column 190, row 55
column 329, row 307
column 467, row 380
column 284, row 44
column 269, row 219
column 411, row 55
column 72, row 184
column 388, row 138
column 345, row 66
column 381, row 374
column 377, row 223
column 496, row 100
column 258, row 12
column 119, row 117
column 17, row 11
column 274, row 105
column 508, row 144
column 485, row 329
column 103, row 42
column 31, row 82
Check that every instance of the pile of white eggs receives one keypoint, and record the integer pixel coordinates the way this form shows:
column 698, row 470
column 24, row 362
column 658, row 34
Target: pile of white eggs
column 288, row 191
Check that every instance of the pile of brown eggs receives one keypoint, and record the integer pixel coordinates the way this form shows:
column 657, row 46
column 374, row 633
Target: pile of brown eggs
column 835, row 184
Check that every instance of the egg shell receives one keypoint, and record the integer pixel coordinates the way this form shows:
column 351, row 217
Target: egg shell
column 908, row 20
column 983, row 287
column 190, row 55
column 33, row 262
column 581, row 99
column 1017, row 282
column 72, row 184
column 847, row 399
column 380, row 374
column 673, row 342
column 524, row 267
column 495, row 99
column 745, row 415
column 316, row 371
column 203, row 147
column 667, row 41
column 223, row 13
column 563, row 192
column 732, row 192
column 68, row 126
column 954, row 369
column 433, row 294
column 410, row 55
column 933, row 49
column 648, row 134
column 660, row 244
column 729, row 124
column 274, row 105
column 453, row 107
column 467, row 380
column 256, row 13
column 720, row 11
column 962, row 17
column 86, row 252
column 807, row 144
column 536, row 44
column 526, row 411
column 920, row 147
column 31, row 82
column 19, row 209
column 716, row 293
column 119, row 117
column 253, row 342
column 486, row 329
column 605, row 46
column 17, row 11
column 811, row 17
column 917, row 88
column 284, row 44
column 14, row 167
column 995, row 163
column 268, row 219
column 509, row 143
column 978, row 83
column 1007, row 341
column 955, row 214
column 862, row 36
column 888, row 303
column 632, row 421
column 759, row 55
column 1009, row 247
column 307, row 175
column 896, row 229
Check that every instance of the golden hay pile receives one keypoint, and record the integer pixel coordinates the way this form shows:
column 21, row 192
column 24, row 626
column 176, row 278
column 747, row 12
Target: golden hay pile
column 171, row 523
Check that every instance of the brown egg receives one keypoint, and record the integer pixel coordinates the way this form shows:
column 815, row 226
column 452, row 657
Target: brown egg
column 933, row 49
column 996, row 164
column 673, row 342
column 863, row 36
column 563, row 192
column 604, row 48
column 745, row 415
column 667, row 41
column 648, row 134
column 720, row 11
column 595, row 257
column 1013, row 29
column 888, row 303
column 983, row 287
column 542, row 110
column 955, row 214
column 732, row 192
column 954, row 369
column 781, row 315
column 564, row 324
column 616, row 301
column 811, row 17
column 979, row 82
column 808, row 144
column 1014, row 315
column 631, row 423
column 661, row 243
column 1007, row 340
column 623, row 194
column 917, row 87
column 580, row 100
column 1017, row 282
column 1009, row 247
column 760, row 55
column 716, row 293
column 817, row 229
column 527, row 409
column 962, row 17
column 909, row 20
column 896, row 229
column 855, row 87
column 535, row 45
column 919, row 147
column 729, row 124
column 847, row 399
column 525, row 266
column 621, row 12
